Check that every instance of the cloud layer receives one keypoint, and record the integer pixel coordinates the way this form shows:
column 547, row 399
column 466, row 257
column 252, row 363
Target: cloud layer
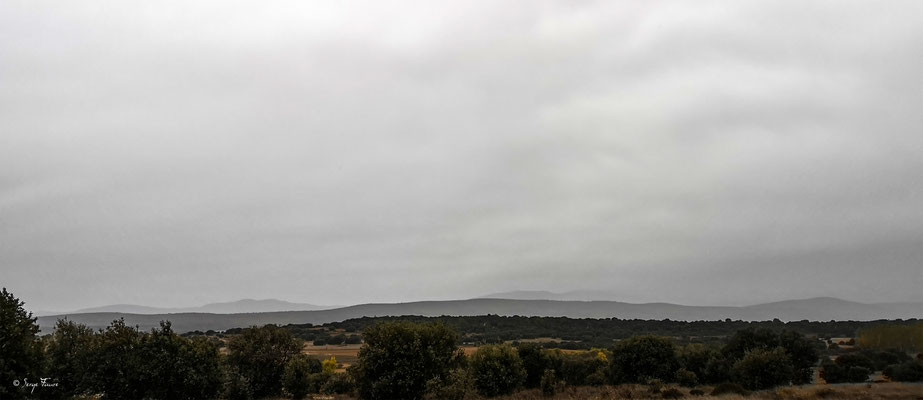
column 179, row 153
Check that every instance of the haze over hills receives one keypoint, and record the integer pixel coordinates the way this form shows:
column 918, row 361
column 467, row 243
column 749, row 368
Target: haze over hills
column 231, row 307
column 816, row 309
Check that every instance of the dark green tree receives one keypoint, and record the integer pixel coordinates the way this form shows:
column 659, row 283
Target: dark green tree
column 536, row 360
column 260, row 356
column 69, row 356
column 20, row 351
column 399, row 358
column 803, row 353
column 297, row 379
column 642, row 358
column 763, row 369
column 497, row 370
column 119, row 370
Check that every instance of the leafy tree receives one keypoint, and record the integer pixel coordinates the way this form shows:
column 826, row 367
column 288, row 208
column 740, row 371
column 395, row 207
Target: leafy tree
column 119, row 369
column 69, row 357
column 296, row 380
column 20, row 352
column 536, row 360
column 747, row 340
column 399, row 358
column 261, row 354
column 330, row 365
column 338, row 383
column 458, row 385
column 764, row 369
column 803, row 353
column 497, row 370
column 548, row 383
column 584, row 368
column 847, row 368
column 910, row 371
column 642, row 358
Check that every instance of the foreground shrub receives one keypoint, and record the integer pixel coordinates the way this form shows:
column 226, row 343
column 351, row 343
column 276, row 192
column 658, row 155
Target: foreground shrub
column 641, row 358
column 20, row 352
column 548, row 383
column 535, row 360
column 458, row 385
column 686, row 378
column 911, row 371
column 497, row 370
column 261, row 354
column 847, row 368
column 399, row 358
column 764, row 369
column 338, row 383
column 296, row 379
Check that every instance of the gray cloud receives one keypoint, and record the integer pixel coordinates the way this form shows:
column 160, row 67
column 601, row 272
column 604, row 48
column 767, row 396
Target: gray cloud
column 715, row 153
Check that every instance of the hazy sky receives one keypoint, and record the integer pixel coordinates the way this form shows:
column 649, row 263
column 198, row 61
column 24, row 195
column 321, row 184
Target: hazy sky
column 179, row 153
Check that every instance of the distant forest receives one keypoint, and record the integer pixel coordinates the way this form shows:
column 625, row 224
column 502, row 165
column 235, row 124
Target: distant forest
column 581, row 333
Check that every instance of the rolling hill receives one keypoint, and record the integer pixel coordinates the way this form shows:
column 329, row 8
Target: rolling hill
column 817, row 309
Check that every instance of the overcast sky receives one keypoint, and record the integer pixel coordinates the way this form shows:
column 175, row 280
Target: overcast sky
column 180, row 153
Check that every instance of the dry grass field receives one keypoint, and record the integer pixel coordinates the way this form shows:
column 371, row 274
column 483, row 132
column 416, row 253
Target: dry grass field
column 880, row 391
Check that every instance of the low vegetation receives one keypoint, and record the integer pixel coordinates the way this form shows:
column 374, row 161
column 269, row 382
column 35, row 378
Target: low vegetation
column 423, row 360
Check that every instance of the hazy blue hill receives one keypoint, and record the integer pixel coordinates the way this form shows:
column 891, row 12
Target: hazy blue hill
column 231, row 307
column 821, row 309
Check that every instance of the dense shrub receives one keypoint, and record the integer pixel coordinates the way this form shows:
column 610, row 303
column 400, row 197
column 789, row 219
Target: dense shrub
column 686, row 377
column 641, row 358
column 457, row 385
column 399, row 358
column 296, row 379
column 20, row 352
column 68, row 356
column 497, row 370
column 910, row 371
column 261, row 354
column 338, row 383
column 584, row 368
column 548, row 383
column 535, row 360
column 763, row 369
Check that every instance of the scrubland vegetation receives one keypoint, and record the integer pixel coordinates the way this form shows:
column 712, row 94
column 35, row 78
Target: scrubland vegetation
column 402, row 359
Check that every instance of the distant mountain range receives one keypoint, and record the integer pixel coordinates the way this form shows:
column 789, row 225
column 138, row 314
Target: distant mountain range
column 816, row 309
column 231, row 307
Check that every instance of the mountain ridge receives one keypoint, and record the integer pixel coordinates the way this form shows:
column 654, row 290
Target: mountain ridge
column 794, row 310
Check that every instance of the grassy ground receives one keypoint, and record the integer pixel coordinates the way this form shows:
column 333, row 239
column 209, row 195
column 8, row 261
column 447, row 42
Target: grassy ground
column 879, row 391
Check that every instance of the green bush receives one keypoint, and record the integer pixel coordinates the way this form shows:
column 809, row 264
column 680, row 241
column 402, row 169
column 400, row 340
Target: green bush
column 458, row 385
column 399, row 358
column 261, row 354
column 20, row 351
column 686, row 378
column 910, row 371
column 548, row 383
column 641, row 358
column 497, row 370
column 68, row 355
column 296, row 380
column 338, row 383
column 535, row 360
column 763, row 369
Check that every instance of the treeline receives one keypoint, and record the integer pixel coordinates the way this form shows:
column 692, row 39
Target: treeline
column 587, row 333
column 906, row 337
